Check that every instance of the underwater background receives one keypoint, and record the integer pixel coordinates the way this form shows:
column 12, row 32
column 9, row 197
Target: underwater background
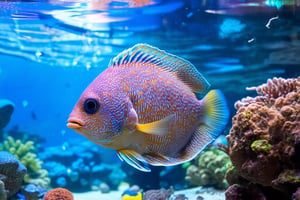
column 50, row 51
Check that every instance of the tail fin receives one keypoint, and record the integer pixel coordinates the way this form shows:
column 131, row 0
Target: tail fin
column 216, row 112
column 216, row 117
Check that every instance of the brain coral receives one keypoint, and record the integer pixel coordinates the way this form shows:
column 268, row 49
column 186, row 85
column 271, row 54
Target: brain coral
column 264, row 141
column 209, row 169
column 58, row 194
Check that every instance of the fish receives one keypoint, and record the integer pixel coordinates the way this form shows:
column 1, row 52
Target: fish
column 144, row 105
column 132, row 195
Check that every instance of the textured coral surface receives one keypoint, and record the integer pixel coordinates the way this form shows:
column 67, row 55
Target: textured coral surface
column 26, row 153
column 264, row 142
column 12, row 172
column 209, row 169
column 157, row 194
column 58, row 194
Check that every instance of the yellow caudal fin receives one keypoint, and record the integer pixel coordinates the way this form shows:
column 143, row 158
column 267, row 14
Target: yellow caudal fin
column 159, row 128
column 216, row 118
column 216, row 112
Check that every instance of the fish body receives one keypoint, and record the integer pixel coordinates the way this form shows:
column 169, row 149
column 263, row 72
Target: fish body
column 144, row 106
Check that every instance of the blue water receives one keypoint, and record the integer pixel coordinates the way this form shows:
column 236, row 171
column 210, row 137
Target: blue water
column 48, row 57
column 51, row 50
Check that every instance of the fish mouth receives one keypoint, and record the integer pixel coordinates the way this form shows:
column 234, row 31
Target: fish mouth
column 74, row 123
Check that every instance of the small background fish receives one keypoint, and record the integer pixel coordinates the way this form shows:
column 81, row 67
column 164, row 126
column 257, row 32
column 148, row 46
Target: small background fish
column 144, row 106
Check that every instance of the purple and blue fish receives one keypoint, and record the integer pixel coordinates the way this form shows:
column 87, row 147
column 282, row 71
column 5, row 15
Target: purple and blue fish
column 144, row 105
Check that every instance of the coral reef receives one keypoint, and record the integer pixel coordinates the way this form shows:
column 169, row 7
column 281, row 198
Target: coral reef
column 32, row 192
column 12, row 172
column 209, row 169
column 25, row 136
column 6, row 109
column 296, row 195
column 3, row 192
column 83, row 166
column 25, row 152
column 236, row 192
column 58, row 193
column 80, row 168
column 264, row 142
column 269, row 92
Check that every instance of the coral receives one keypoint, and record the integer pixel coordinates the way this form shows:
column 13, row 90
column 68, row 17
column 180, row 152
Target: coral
column 3, row 192
column 82, row 166
column 6, row 109
column 25, row 136
column 79, row 166
column 269, row 92
column 209, row 169
column 12, row 172
column 264, row 141
column 296, row 195
column 32, row 192
column 261, row 146
column 58, row 193
column 236, row 192
column 161, row 194
column 25, row 152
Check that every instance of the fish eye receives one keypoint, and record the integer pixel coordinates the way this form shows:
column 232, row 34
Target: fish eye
column 91, row 106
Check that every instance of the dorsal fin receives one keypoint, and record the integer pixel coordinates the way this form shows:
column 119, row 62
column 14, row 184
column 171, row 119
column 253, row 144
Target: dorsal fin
column 146, row 54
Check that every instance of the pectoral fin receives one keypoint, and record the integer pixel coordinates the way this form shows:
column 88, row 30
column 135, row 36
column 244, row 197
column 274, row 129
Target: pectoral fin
column 160, row 127
column 134, row 159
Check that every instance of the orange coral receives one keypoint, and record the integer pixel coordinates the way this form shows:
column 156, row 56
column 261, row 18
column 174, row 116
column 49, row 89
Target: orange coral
column 58, row 194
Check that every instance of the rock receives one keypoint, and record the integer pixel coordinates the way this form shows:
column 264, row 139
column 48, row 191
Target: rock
column 6, row 109
column 33, row 192
column 104, row 188
column 12, row 172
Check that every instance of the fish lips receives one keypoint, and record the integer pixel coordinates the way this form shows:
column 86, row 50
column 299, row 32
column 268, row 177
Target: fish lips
column 74, row 123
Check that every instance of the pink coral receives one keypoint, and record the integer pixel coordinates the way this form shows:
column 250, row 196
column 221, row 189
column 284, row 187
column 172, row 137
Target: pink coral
column 277, row 87
column 264, row 141
column 58, row 194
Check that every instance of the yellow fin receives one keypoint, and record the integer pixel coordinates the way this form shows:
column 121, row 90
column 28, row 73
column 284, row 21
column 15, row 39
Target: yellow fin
column 160, row 127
